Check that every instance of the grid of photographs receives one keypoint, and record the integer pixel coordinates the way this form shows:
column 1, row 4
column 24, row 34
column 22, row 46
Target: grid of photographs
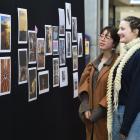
column 22, row 26
column 5, row 75
column 43, row 81
column 22, row 66
column 5, row 33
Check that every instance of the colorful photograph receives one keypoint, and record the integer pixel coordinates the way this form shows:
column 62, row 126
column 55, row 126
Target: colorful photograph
column 43, row 81
column 22, row 26
column 68, row 15
column 55, row 72
column 5, row 75
column 80, row 44
column 5, row 33
column 68, row 44
column 61, row 22
column 48, row 39
column 22, row 66
column 40, row 54
column 32, row 86
column 62, row 54
column 32, row 45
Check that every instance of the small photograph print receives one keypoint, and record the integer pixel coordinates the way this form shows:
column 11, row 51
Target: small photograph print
column 48, row 39
column 68, row 44
column 40, row 54
column 32, row 86
column 75, row 84
column 55, row 72
column 86, row 47
column 75, row 57
column 5, row 75
column 68, row 15
column 55, row 36
column 22, row 26
column 80, row 44
column 22, row 66
column 5, row 33
column 63, row 76
column 61, row 22
column 62, row 54
column 43, row 81
column 74, row 29
column 32, row 45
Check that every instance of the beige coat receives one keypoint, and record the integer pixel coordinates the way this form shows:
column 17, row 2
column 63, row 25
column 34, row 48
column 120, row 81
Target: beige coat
column 97, row 96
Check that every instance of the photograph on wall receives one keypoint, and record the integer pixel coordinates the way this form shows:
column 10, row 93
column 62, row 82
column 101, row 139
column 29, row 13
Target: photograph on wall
column 48, row 39
column 62, row 54
column 43, row 81
column 86, row 47
column 74, row 29
column 55, row 72
column 32, row 44
column 5, row 75
column 68, row 15
column 75, row 84
column 80, row 44
column 68, row 44
column 5, row 33
column 63, row 76
column 75, row 57
column 40, row 54
column 55, row 36
column 22, row 26
column 61, row 22
column 22, row 66
column 32, row 86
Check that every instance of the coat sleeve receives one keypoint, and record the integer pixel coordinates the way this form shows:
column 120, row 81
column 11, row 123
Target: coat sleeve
column 84, row 80
column 103, row 102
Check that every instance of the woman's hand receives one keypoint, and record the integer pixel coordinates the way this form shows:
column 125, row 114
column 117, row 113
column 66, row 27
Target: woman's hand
column 87, row 114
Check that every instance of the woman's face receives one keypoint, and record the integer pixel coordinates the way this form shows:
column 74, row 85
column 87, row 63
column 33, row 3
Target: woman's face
column 105, row 41
column 125, row 32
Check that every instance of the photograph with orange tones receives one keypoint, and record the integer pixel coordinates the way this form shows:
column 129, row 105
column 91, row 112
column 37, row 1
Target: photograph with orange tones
column 5, row 33
column 5, row 75
column 22, row 26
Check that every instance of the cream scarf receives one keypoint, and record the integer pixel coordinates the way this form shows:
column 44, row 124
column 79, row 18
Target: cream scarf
column 125, row 54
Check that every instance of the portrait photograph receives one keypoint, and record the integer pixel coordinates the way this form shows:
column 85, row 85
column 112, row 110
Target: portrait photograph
column 68, row 44
column 68, row 15
column 22, row 66
column 40, row 54
column 80, row 44
column 74, row 29
column 5, row 33
column 63, row 76
column 5, row 75
column 75, row 57
column 55, row 36
column 22, row 26
column 32, row 84
column 48, row 39
column 61, row 22
column 75, row 84
column 55, row 72
column 62, row 54
column 43, row 81
column 32, row 45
